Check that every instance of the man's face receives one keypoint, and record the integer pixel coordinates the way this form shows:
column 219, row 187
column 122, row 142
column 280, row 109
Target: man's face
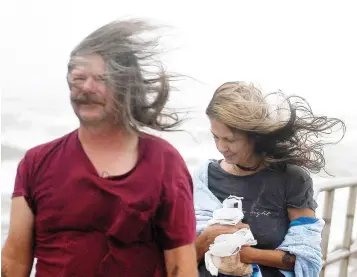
column 92, row 100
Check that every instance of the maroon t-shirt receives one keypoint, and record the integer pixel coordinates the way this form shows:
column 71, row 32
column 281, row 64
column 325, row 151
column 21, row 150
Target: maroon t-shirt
column 86, row 225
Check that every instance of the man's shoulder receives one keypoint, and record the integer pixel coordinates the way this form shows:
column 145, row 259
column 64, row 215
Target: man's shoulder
column 161, row 146
column 164, row 157
column 43, row 149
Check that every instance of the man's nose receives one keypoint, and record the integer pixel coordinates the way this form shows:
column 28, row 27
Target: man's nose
column 89, row 85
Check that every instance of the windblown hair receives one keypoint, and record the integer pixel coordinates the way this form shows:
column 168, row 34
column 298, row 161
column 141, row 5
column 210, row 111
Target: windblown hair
column 137, row 77
column 287, row 134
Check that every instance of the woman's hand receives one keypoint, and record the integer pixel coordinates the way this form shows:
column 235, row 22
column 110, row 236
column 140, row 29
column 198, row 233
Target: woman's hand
column 213, row 231
column 206, row 238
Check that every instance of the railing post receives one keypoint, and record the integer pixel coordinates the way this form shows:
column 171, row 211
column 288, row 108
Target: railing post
column 327, row 215
column 347, row 239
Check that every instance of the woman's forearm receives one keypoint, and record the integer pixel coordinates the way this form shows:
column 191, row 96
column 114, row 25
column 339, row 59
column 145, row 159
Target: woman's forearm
column 201, row 246
column 272, row 258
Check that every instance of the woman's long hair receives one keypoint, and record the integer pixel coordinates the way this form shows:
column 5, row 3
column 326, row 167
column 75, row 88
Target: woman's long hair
column 285, row 132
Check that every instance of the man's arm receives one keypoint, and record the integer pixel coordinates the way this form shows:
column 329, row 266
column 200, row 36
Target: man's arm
column 17, row 254
column 181, row 261
column 175, row 218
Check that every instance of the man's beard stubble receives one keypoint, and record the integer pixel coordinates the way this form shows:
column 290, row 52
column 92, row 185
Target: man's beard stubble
column 84, row 98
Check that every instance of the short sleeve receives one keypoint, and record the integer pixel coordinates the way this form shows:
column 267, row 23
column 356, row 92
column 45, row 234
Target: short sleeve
column 300, row 192
column 176, row 223
column 22, row 181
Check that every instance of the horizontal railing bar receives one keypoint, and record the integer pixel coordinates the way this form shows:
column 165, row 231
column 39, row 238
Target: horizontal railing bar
column 331, row 184
column 339, row 254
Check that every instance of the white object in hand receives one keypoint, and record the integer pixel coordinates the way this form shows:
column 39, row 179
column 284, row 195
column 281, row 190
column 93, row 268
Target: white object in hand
column 227, row 246
column 230, row 214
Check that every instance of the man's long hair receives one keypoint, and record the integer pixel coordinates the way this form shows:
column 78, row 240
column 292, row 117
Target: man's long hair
column 133, row 71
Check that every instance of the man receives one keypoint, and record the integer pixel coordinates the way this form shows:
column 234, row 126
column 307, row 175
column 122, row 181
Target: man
column 106, row 199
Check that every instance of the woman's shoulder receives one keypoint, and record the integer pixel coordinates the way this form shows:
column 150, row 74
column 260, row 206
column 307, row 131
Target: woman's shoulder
column 200, row 172
column 204, row 165
column 291, row 178
column 297, row 173
column 299, row 188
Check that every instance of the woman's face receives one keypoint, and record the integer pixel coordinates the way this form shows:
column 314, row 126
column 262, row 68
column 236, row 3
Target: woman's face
column 236, row 147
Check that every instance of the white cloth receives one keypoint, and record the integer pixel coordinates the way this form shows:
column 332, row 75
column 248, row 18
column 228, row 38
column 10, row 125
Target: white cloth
column 228, row 214
column 226, row 245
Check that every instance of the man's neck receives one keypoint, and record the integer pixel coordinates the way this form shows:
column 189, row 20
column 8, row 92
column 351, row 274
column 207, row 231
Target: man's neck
column 109, row 137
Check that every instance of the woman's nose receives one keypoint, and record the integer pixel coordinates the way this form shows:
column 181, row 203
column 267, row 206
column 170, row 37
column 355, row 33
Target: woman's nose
column 221, row 146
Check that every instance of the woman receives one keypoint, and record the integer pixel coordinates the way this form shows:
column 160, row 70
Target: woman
column 268, row 153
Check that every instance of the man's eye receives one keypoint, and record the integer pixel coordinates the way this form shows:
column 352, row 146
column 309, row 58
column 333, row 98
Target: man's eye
column 99, row 78
column 78, row 78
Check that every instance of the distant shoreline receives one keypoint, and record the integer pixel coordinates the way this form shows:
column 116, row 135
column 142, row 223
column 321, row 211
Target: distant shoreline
column 11, row 153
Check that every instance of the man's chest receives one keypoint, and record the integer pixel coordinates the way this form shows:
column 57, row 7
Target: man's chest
column 106, row 164
column 85, row 202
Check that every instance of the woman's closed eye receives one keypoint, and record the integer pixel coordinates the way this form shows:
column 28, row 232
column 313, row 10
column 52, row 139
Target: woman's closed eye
column 225, row 139
column 231, row 140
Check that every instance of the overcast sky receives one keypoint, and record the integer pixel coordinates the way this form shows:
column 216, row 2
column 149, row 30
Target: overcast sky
column 307, row 48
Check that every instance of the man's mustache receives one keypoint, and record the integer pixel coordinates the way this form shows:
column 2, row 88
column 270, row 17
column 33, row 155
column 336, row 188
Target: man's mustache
column 85, row 98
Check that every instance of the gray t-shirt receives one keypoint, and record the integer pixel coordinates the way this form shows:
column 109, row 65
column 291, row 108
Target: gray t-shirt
column 267, row 195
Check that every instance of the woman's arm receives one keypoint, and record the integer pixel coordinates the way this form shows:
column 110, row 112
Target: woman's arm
column 274, row 258
column 295, row 213
column 201, row 246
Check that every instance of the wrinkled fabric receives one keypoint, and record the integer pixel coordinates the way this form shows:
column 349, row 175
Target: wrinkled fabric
column 223, row 254
column 304, row 241
column 204, row 200
column 89, row 226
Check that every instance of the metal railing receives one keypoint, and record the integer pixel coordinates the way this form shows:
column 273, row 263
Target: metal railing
column 345, row 252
